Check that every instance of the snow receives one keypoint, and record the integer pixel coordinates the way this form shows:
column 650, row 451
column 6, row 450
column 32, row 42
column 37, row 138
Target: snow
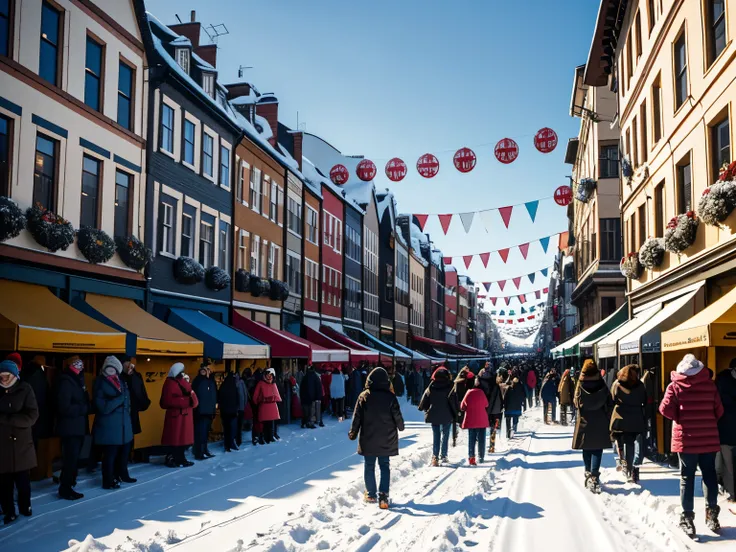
column 437, row 257
column 266, row 132
column 250, row 99
column 181, row 42
column 359, row 191
column 450, row 268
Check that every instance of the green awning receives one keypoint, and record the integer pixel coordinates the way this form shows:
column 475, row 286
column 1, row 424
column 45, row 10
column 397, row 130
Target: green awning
column 572, row 346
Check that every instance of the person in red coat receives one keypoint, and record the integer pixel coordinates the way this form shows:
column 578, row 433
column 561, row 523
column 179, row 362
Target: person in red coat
column 475, row 406
column 178, row 399
column 267, row 397
column 296, row 405
column 694, row 406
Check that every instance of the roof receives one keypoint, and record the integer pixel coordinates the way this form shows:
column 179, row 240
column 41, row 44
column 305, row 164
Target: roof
column 607, row 26
column 437, row 257
column 450, row 268
column 360, row 192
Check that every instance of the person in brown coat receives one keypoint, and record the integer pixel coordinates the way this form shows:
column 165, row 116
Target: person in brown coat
column 628, row 420
column 565, row 390
column 18, row 413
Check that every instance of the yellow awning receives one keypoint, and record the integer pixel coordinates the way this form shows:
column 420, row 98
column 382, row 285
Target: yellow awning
column 154, row 337
column 713, row 326
column 34, row 319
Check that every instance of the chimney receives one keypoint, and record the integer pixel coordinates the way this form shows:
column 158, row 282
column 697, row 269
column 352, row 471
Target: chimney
column 190, row 30
column 268, row 108
column 208, row 53
column 193, row 16
column 298, row 139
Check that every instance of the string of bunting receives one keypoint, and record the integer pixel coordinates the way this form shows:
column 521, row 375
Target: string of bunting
column 504, row 253
column 517, row 280
column 522, row 297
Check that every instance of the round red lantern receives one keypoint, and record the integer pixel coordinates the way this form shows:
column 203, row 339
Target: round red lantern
column 545, row 140
column 464, row 160
column 339, row 174
column 366, row 170
column 396, row 170
column 507, row 150
column 428, row 165
column 563, row 195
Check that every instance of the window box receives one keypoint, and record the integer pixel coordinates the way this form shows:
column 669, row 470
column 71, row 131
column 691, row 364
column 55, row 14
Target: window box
column 96, row 246
column 12, row 220
column 216, row 278
column 133, row 252
column 48, row 229
column 188, row 271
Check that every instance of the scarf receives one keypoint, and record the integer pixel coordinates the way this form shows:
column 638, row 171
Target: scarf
column 115, row 380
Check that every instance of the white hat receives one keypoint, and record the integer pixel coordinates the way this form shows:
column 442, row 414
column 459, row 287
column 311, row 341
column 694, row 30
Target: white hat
column 689, row 365
column 176, row 369
column 271, row 371
column 112, row 362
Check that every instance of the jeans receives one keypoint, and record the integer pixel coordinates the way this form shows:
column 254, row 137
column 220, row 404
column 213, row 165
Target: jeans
column 477, row 436
column 553, row 405
column 121, row 461
column 592, row 460
column 19, row 480
column 639, row 450
column 369, row 474
column 71, row 447
column 688, row 465
column 626, row 443
column 511, row 421
column 441, row 439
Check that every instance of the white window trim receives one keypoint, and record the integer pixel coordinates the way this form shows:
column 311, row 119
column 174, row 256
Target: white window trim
column 224, row 144
column 212, row 243
column 175, row 108
column 259, row 189
column 316, row 218
column 197, row 142
column 190, row 253
column 163, row 252
column 183, row 57
column 215, row 177
column 266, row 185
column 208, row 79
column 256, row 249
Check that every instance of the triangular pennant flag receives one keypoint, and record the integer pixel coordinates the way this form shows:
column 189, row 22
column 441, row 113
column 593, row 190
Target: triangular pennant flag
column 517, row 281
column 422, row 220
column 509, row 321
column 545, row 290
column 545, row 243
column 506, row 214
column 487, row 285
column 445, row 222
column 468, row 259
column 493, row 300
column 512, row 312
column 508, row 300
column 486, row 217
column 538, row 294
column 502, row 313
column 504, row 254
column 484, row 257
column 501, row 284
column 532, row 309
column 493, row 312
column 531, row 207
column 530, row 317
column 545, row 271
column 563, row 241
column 523, row 310
column 532, row 276
column 467, row 220
column 447, row 260
column 522, row 298
column 524, row 248
column 520, row 320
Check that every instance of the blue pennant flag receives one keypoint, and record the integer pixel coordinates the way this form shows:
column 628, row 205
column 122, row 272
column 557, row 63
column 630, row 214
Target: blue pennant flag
column 502, row 313
column 545, row 271
column 532, row 309
column 545, row 243
column 531, row 277
column 531, row 207
column 523, row 310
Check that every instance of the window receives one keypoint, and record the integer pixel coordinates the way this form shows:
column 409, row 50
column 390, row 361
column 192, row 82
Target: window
column 93, row 74
column 312, row 225
column 241, row 260
column 44, row 172
column 264, row 195
column 642, row 224
column 90, row 191
column 126, row 78
column 716, row 29
column 721, row 140
column 294, row 215
column 206, row 244
column 644, row 142
column 208, row 84
column 684, row 186
column 311, row 289
column 5, row 27
column 271, row 267
column 608, row 306
column 5, row 133
column 255, row 189
column 338, row 235
column 637, row 32
column 326, row 227
column 240, row 183
column 123, row 187
column 188, row 142
column 352, row 244
column 293, row 273
column 224, row 167
column 659, row 210
column 187, row 236
column 166, row 231
column 608, row 162
column 632, row 233
column 224, row 246
column 182, row 58
column 49, row 59
column 167, row 128
column 635, row 142
column 657, row 109
column 274, row 206
column 629, row 60
column 255, row 255
column 680, row 71
column 207, row 152
column 652, row 16
column 628, row 143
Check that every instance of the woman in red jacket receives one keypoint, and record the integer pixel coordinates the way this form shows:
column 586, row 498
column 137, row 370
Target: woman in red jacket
column 267, row 397
column 694, row 406
column 178, row 399
column 475, row 405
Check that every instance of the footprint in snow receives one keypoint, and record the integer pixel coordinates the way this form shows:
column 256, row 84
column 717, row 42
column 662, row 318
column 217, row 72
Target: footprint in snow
column 470, row 543
column 363, row 529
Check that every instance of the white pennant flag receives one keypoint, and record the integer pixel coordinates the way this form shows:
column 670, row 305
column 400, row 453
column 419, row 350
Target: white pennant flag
column 487, row 216
column 467, row 220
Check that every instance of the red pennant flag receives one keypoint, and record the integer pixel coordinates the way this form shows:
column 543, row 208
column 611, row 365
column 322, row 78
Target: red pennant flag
column 422, row 220
column 468, row 259
column 447, row 260
column 538, row 294
column 493, row 300
column 504, row 254
column 545, row 290
column 517, row 282
column 484, row 257
column 530, row 317
column 520, row 320
column 445, row 222
column 506, row 214
column 522, row 298
column 501, row 284
column 508, row 300
column 509, row 321
column 524, row 248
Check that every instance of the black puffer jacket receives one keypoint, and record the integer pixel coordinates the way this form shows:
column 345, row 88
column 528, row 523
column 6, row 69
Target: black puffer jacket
column 206, row 390
column 227, row 396
column 594, row 404
column 726, row 384
column 18, row 413
column 139, row 401
column 34, row 375
column 311, row 388
column 377, row 418
column 436, row 403
column 513, row 396
column 72, row 405
column 629, row 402
column 492, row 391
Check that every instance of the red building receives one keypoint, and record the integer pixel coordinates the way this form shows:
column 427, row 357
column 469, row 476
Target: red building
column 451, row 307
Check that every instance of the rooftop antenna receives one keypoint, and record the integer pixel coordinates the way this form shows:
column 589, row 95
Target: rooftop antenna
column 300, row 126
column 241, row 70
column 214, row 32
column 178, row 18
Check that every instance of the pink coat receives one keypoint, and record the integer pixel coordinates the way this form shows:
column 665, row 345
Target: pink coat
column 474, row 405
column 178, row 399
column 266, row 396
column 694, row 406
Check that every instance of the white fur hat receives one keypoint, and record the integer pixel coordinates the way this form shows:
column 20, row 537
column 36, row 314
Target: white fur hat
column 176, row 369
column 689, row 365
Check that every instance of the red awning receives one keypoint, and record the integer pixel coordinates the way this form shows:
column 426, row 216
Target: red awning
column 450, row 348
column 362, row 352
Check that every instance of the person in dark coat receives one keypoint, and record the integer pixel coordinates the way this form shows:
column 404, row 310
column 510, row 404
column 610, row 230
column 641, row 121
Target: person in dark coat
column 726, row 384
column 242, row 405
column 139, row 402
column 440, row 411
column 377, row 421
column 18, row 414
column 113, row 428
column 628, row 420
column 514, row 398
column 72, row 423
column 492, row 391
column 594, row 404
column 34, row 375
column 178, row 400
column 310, row 394
column 355, row 386
column 398, row 382
column 410, row 376
column 418, row 387
column 205, row 387
column 550, row 384
column 227, row 398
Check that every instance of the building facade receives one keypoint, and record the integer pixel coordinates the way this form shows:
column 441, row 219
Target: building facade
column 353, row 265
column 451, row 304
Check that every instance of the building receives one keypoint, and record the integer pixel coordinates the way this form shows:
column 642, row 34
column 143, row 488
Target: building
column 435, row 298
column 387, row 262
column 596, row 218
column 451, row 304
column 463, row 310
column 312, row 252
column 418, row 267
column 402, row 302
column 353, row 265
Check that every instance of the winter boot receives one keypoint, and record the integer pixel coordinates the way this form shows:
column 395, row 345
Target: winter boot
column 635, row 474
column 383, row 501
column 444, row 460
column 69, row 494
column 369, row 499
column 711, row 519
column 471, row 461
column 435, row 462
column 595, row 484
column 624, row 468
column 687, row 523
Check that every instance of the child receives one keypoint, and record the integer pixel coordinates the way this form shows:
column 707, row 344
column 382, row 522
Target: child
column 475, row 406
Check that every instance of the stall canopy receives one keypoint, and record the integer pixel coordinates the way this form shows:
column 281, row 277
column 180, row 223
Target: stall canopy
column 571, row 347
column 607, row 346
column 713, row 326
column 34, row 319
column 355, row 355
column 146, row 334
column 647, row 337
column 443, row 347
column 418, row 359
column 220, row 341
column 382, row 346
column 375, row 355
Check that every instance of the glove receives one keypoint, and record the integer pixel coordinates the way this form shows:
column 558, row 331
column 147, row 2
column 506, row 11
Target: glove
column 352, row 436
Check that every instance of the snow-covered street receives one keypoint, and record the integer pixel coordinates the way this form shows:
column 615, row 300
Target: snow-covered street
column 305, row 493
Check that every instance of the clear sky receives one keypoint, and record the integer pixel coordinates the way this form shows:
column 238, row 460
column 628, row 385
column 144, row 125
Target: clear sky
column 402, row 78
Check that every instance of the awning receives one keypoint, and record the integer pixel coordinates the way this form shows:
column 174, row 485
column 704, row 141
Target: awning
column 607, row 347
column 373, row 355
column 283, row 344
column 320, row 339
column 442, row 346
column 382, row 346
column 34, row 319
column 714, row 326
column 417, row 358
column 147, row 335
column 220, row 340
column 647, row 337
column 571, row 347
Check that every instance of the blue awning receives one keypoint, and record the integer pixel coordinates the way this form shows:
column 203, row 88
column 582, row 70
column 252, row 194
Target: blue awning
column 382, row 346
column 220, row 341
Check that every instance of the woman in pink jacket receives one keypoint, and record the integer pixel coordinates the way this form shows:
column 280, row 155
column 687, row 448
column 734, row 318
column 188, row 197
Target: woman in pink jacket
column 694, row 406
column 475, row 405
column 267, row 397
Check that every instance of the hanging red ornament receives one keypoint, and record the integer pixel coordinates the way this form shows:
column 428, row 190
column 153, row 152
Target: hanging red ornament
column 339, row 174
column 563, row 195
column 545, row 140
column 506, row 151
column 396, row 170
column 428, row 165
column 464, row 160
column 366, row 170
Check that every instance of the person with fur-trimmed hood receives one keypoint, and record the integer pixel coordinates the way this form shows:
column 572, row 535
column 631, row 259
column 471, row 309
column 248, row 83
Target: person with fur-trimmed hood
column 628, row 420
column 439, row 410
column 179, row 401
column 565, row 390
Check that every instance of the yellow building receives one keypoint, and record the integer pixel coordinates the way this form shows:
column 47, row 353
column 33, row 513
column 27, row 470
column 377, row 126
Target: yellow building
column 417, row 267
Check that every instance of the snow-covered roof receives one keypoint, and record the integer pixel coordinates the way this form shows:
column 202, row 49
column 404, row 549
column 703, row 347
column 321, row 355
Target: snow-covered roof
column 361, row 192
column 266, row 131
column 202, row 64
column 384, row 200
column 450, row 268
column 416, row 247
column 567, row 260
column 437, row 257
column 181, row 41
column 312, row 177
column 249, row 99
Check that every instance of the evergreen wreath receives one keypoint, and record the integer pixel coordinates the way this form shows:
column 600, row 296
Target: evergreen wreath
column 96, row 246
column 48, row 229
column 216, row 278
column 133, row 252
column 585, row 190
column 630, row 266
column 717, row 202
column 12, row 220
column 242, row 280
column 188, row 271
column 651, row 254
column 681, row 232
column 279, row 290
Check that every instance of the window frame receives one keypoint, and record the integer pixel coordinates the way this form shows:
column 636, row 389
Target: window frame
column 130, row 98
column 164, row 130
column 716, row 148
column 59, row 46
column 54, row 193
column 712, row 53
column 657, row 121
column 167, row 238
column 273, row 202
column 98, row 197
column 223, row 245
column 242, row 250
column 183, row 57
column 10, row 19
column 659, row 213
column 208, row 83
column 682, row 175
column 224, row 166
column 185, row 124
column 608, row 161
column 189, row 237
column 6, row 174
column 204, row 260
column 681, row 74
column 205, row 136
column 89, row 73
column 255, row 255
column 129, row 211
column 256, row 188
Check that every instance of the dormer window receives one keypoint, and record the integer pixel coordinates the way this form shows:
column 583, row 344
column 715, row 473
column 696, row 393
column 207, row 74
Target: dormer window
column 182, row 58
column 208, row 84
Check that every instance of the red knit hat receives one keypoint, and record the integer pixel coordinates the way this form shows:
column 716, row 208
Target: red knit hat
column 15, row 357
column 470, row 375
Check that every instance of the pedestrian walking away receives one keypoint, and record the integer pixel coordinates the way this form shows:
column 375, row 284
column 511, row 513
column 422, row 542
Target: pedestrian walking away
column 475, row 405
column 337, row 394
column 726, row 384
column 628, row 419
column 228, row 401
column 565, row 392
column 550, row 385
column 513, row 403
column 440, row 411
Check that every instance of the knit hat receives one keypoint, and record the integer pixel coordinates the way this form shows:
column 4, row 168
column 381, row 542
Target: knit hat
column 76, row 365
column 176, row 369
column 9, row 366
column 112, row 362
column 15, row 357
column 689, row 365
column 441, row 373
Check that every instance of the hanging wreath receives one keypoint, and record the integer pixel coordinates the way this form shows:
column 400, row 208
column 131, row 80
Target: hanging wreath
column 188, row 271
column 681, row 231
column 133, row 252
column 242, row 280
column 216, row 278
column 96, row 246
column 585, row 190
column 728, row 173
column 651, row 254
column 630, row 266
column 279, row 290
column 49, row 230
column 12, row 220
column 627, row 170
column 717, row 202
column 255, row 286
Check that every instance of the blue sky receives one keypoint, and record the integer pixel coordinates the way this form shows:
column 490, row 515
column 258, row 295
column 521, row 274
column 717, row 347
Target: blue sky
column 387, row 78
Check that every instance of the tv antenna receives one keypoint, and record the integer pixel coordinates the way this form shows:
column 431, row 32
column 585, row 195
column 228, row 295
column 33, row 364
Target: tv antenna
column 214, row 32
column 241, row 70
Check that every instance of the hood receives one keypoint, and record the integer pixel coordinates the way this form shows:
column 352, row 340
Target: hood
column 689, row 365
column 176, row 369
column 378, row 380
column 441, row 374
column 628, row 376
column 595, row 394
column 112, row 362
column 462, row 375
column 685, row 380
column 590, row 370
